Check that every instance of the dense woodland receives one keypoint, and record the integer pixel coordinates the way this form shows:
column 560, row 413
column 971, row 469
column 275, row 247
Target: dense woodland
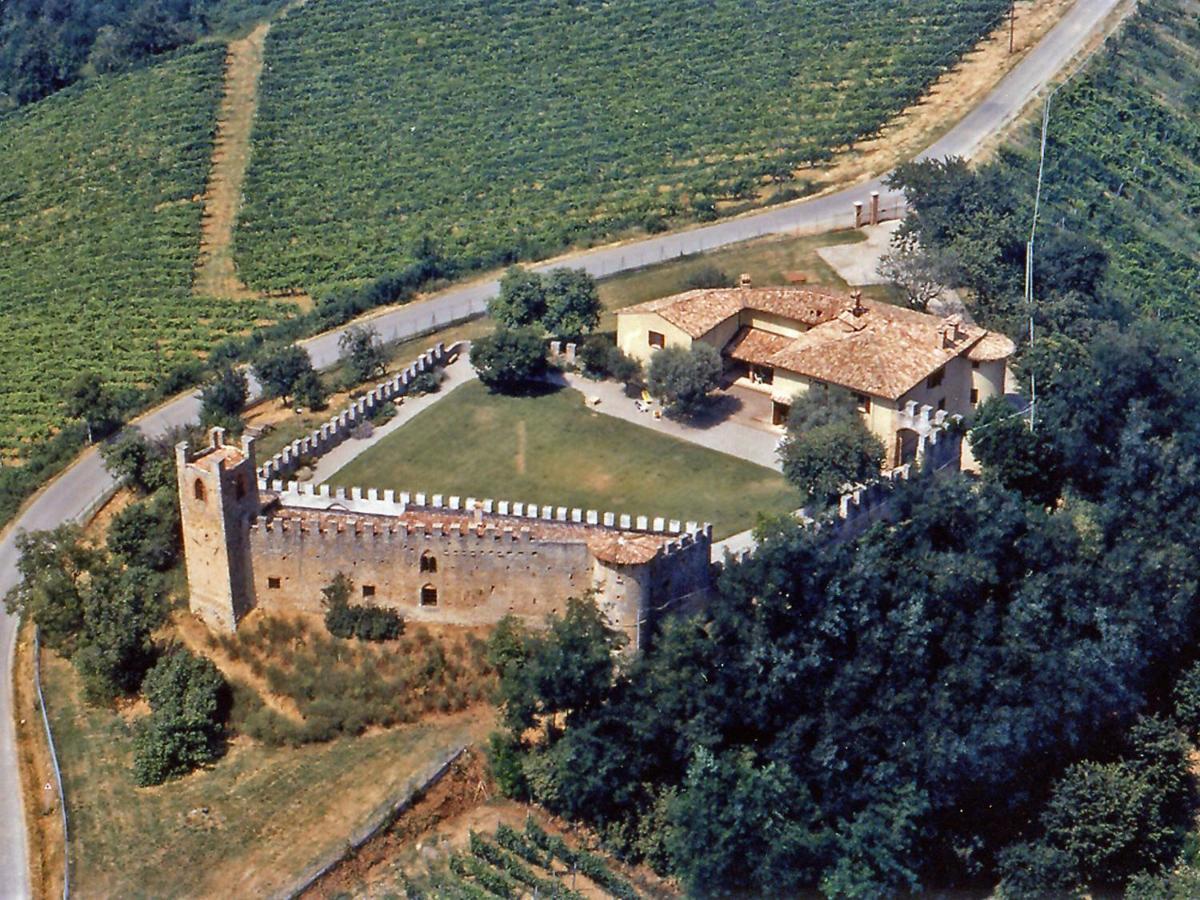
column 1000, row 687
column 46, row 45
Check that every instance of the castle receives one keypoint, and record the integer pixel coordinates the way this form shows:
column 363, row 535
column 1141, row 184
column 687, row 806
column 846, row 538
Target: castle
column 253, row 544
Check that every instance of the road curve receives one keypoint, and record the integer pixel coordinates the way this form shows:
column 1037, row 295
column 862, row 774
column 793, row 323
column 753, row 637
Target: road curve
column 76, row 491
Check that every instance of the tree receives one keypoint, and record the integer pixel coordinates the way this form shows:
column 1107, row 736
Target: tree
column 682, row 379
column 310, row 391
column 1013, row 455
column 55, row 568
column 185, row 727
column 521, row 302
column 921, row 275
column 362, row 353
column 285, row 372
column 116, row 650
column 1187, row 701
column 223, row 399
column 88, row 399
column 705, row 277
column 147, row 534
column 366, row 622
column 509, row 358
column 825, row 460
column 601, row 358
column 139, row 463
column 572, row 303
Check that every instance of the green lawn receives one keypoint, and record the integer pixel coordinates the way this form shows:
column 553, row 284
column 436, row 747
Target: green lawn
column 552, row 450
column 247, row 826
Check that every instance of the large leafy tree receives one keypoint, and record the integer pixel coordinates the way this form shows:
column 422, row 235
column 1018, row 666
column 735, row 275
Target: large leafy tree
column 572, row 304
column 682, row 379
column 827, row 447
column 363, row 354
column 185, row 727
column 285, row 372
column 509, row 358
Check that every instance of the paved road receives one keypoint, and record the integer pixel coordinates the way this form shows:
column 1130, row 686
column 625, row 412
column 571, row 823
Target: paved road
column 76, row 491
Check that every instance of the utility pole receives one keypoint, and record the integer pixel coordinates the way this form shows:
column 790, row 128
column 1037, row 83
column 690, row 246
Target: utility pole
column 1012, row 26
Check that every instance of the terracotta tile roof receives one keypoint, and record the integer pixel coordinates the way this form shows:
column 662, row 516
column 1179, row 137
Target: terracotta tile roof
column 753, row 345
column 698, row 312
column 625, row 549
column 885, row 350
column 992, row 348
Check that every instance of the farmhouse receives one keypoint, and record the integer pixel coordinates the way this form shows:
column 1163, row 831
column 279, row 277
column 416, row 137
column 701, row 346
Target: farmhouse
column 785, row 341
column 250, row 543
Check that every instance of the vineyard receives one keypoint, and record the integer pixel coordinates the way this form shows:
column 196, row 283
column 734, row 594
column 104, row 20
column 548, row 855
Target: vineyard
column 99, row 224
column 1123, row 161
column 514, row 864
column 513, row 130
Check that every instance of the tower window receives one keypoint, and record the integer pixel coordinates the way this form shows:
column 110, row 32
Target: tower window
column 274, row 584
column 428, row 562
column 199, row 491
column 429, row 595
column 974, row 396
column 368, row 590
column 239, row 487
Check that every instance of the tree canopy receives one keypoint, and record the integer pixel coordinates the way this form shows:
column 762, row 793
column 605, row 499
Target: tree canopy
column 682, row 379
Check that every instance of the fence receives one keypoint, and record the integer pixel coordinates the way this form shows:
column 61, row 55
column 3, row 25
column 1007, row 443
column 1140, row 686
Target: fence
column 62, row 797
column 383, row 816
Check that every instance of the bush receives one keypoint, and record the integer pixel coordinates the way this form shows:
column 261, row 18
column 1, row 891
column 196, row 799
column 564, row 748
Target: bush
column 185, row 727
column 823, row 461
column 601, row 358
column 1187, row 702
column 707, row 276
column 682, row 379
column 367, row 622
column 509, row 358
column 427, row 382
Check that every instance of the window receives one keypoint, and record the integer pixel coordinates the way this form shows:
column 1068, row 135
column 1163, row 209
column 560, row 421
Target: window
column 368, row 590
column 274, row 584
column 935, row 379
column 198, row 490
column 762, row 375
column 428, row 562
column 974, row 364
column 239, row 487
column 974, row 396
column 942, row 403
column 657, row 339
column 429, row 595
column 864, row 403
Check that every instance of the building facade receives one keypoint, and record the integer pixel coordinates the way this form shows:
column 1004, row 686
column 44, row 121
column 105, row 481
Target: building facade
column 259, row 545
column 785, row 341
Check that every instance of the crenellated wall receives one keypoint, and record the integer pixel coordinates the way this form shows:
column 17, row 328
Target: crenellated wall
column 337, row 429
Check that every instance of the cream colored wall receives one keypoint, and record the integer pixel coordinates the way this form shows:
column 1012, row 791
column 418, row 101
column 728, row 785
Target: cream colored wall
column 955, row 389
column 633, row 334
column 722, row 334
column 988, row 379
column 750, row 318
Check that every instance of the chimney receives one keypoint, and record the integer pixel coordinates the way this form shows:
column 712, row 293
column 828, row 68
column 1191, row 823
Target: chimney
column 857, row 309
column 948, row 331
column 744, row 281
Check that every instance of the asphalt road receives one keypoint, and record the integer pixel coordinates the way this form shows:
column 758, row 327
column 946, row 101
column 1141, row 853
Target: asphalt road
column 75, row 493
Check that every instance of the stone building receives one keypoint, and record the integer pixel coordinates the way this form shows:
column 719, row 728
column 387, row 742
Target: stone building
column 784, row 341
column 253, row 544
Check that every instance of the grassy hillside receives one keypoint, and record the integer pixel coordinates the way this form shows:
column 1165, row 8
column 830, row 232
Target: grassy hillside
column 99, row 223
column 1123, row 160
column 512, row 130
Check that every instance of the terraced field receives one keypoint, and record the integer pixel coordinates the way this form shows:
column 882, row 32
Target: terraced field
column 512, row 130
column 99, row 225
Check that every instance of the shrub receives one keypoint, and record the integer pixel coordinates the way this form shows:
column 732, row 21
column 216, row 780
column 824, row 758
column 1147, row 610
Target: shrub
column 682, row 379
column 509, row 359
column 707, row 276
column 427, row 382
column 601, row 358
column 186, row 723
column 367, row 622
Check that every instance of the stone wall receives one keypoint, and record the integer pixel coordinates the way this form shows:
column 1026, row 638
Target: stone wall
column 337, row 429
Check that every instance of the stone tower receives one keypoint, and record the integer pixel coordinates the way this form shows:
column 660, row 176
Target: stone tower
column 218, row 499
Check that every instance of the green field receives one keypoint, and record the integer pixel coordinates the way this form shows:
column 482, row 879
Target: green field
column 99, row 228
column 513, row 130
column 549, row 449
column 1123, row 160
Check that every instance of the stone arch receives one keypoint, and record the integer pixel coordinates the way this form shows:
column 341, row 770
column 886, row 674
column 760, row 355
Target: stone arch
column 428, row 562
column 199, row 491
column 429, row 595
column 907, row 444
